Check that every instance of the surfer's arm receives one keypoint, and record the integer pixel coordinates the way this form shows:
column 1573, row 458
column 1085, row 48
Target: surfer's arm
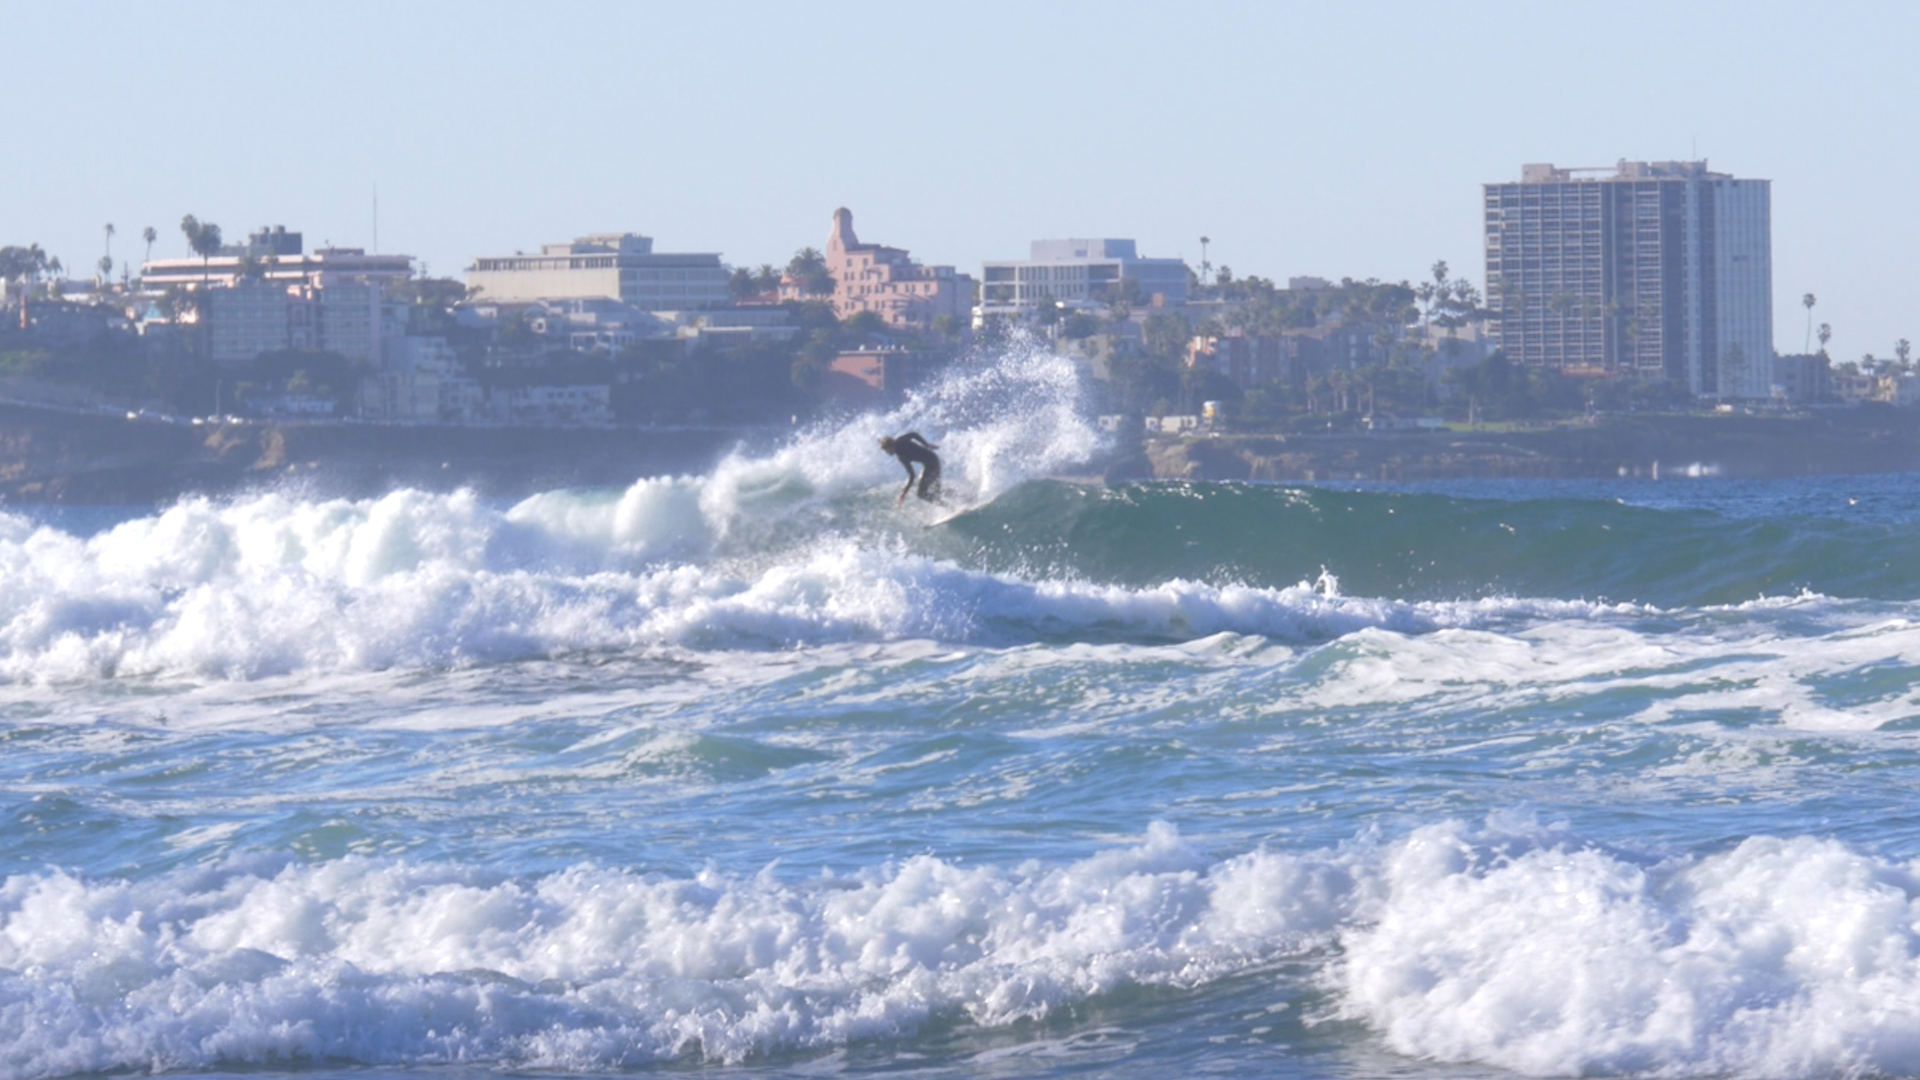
column 907, row 465
column 914, row 436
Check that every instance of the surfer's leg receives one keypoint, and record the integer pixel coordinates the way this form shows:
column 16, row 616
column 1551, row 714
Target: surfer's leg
column 930, row 481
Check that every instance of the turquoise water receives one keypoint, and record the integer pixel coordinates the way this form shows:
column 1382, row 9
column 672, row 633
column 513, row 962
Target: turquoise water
column 752, row 773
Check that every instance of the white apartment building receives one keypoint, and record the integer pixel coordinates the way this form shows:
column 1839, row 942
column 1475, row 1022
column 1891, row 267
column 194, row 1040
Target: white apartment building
column 421, row 384
column 1660, row 269
column 571, row 405
column 616, row 266
column 1079, row 273
column 267, row 294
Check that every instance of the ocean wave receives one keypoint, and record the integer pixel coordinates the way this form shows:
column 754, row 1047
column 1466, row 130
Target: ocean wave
column 1784, row 957
column 592, row 968
column 1506, row 944
column 269, row 587
column 1565, row 542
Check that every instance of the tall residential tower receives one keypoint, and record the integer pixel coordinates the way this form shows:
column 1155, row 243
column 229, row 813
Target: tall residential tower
column 1655, row 269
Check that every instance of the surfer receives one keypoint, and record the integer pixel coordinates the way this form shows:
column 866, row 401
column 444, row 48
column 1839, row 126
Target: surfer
column 913, row 450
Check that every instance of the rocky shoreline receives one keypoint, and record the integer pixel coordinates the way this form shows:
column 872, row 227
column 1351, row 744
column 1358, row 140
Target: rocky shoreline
column 1833, row 442
column 49, row 455
column 76, row 458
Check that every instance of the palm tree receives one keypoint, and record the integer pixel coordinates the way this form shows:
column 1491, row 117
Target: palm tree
column 1808, row 301
column 204, row 239
column 1901, row 349
column 1824, row 334
column 149, row 235
column 1205, row 266
column 22, row 265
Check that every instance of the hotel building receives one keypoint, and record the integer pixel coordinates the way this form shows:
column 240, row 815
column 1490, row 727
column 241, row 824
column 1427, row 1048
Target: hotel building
column 885, row 281
column 1654, row 269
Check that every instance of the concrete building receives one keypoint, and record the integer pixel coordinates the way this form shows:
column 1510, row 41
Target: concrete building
column 750, row 324
column 421, row 384
column 875, row 375
column 593, row 325
column 613, row 266
column 1253, row 360
column 246, row 321
column 552, row 405
column 1803, row 376
column 268, row 294
column 1080, row 273
column 273, row 256
column 1653, row 269
column 885, row 281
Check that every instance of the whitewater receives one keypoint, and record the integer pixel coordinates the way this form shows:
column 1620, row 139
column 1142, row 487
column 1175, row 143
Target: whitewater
column 754, row 772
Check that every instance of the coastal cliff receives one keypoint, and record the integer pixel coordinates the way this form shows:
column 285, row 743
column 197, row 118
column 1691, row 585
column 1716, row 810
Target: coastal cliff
column 72, row 457
column 51, row 456
column 1836, row 442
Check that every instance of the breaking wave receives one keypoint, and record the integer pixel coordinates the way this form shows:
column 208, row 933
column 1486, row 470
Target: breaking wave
column 1505, row 944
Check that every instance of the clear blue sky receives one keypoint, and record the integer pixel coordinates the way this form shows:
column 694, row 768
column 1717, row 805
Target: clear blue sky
column 1325, row 138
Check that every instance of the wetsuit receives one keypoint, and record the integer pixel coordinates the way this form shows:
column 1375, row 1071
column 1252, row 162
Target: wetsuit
column 913, row 450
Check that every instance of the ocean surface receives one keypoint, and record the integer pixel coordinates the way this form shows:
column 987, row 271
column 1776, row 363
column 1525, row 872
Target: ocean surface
column 753, row 774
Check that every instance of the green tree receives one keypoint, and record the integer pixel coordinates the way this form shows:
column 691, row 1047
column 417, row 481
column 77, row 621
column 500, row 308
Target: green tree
column 1079, row 326
column 741, row 285
column 204, row 239
column 1166, row 337
column 1807, row 302
column 20, row 268
column 808, row 269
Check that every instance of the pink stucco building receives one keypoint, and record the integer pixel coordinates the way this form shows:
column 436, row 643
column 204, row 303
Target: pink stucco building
column 883, row 280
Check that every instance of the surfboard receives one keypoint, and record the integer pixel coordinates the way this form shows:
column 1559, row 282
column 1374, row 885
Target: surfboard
column 950, row 515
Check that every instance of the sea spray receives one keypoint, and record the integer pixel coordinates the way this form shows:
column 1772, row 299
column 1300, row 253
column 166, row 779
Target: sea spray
column 753, row 767
column 1525, row 949
column 587, row 969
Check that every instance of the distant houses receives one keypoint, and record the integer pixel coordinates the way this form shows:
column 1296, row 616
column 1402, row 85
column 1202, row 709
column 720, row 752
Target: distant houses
column 1646, row 283
column 270, row 294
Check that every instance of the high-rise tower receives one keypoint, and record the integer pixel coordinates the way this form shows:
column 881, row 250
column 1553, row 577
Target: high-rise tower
column 1656, row 269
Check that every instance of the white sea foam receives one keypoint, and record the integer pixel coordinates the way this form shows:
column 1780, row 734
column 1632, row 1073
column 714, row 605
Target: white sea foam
column 742, row 556
column 273, row 585
column 793, row 547
column 594, row 968
column 1505, row 945
column 270, row 586
column 1782, row 957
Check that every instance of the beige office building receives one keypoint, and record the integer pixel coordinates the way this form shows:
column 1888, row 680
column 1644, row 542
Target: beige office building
column 616, row 266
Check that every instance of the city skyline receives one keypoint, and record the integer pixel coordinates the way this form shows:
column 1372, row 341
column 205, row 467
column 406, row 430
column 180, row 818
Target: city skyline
column 1302, row 142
